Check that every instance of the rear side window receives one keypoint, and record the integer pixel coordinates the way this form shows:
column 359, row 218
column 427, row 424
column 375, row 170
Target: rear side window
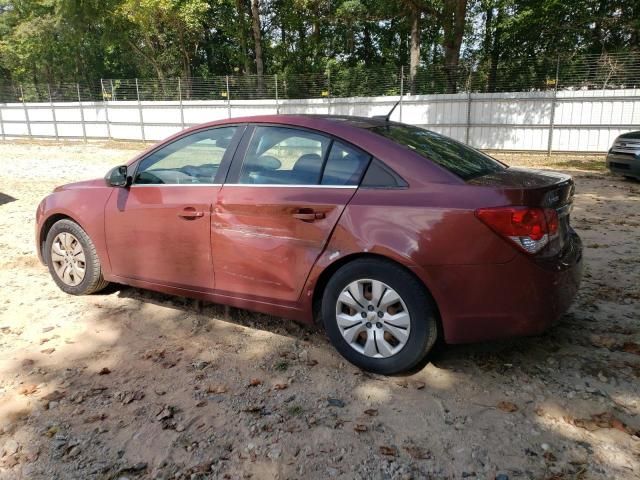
column 380, row 176
column 344, row 166
column 458, row 158
column 284, row 156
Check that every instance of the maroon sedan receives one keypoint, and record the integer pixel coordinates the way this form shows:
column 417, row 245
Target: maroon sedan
column 388, row 234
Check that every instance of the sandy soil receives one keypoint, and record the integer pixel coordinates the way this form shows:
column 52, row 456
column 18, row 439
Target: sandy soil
column 133, row 384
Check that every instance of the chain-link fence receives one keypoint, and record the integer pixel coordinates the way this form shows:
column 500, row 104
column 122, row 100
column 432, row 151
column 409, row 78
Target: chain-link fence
column 562, row 104
column 585, row 72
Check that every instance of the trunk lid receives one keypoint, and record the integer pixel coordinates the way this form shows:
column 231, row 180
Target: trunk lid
column 536, row 188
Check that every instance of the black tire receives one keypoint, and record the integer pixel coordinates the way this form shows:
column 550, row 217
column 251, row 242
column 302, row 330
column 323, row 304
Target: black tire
column 93, row 280
column 420, row 305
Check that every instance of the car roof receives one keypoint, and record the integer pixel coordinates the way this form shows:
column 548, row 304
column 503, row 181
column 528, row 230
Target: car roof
column 305, row 120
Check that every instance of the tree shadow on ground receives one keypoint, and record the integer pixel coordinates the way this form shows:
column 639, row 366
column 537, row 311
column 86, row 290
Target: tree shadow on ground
column 146, row 385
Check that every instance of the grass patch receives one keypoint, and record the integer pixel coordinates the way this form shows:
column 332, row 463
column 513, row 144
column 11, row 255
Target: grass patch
column 295, row 410
column 282, row 366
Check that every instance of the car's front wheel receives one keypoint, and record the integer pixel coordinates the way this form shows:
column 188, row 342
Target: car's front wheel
column 379, row 316
column 72, row 259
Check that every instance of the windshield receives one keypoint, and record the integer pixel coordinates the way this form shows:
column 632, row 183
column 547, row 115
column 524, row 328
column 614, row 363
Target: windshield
column 458, row 158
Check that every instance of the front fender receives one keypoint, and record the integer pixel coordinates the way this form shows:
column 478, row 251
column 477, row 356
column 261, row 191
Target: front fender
column 85, row 206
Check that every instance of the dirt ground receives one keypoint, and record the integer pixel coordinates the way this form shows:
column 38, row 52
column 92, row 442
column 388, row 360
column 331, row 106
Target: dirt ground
column 131, row 384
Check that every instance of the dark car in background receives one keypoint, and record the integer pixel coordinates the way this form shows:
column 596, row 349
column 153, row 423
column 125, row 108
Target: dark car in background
column 624, row 156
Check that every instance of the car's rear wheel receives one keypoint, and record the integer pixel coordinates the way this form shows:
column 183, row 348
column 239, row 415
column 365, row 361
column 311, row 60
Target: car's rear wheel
column 72, row 259
column 379, row 316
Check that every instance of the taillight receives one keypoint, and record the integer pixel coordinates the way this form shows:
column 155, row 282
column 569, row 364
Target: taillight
column 529, row 228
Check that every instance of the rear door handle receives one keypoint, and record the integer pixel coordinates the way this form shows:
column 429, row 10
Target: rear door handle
column 190, row 213
column 308, row 215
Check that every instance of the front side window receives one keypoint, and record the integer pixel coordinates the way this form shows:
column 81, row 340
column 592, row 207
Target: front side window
column 193, row 159
column 458, row 158
column 284, row 156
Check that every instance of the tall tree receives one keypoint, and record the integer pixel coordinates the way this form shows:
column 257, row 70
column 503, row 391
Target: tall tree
column 257, row 44
column 452, row 18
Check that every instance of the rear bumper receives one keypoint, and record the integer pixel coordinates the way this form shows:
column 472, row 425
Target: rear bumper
column 518, row 298
column 627, row 165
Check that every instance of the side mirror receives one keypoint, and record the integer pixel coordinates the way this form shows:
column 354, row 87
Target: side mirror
column 118, row 177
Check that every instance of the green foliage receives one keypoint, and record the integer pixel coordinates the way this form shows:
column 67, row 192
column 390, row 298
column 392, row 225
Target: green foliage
column 326, row 47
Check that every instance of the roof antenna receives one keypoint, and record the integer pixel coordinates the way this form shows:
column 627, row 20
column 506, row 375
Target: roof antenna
column 388, row 115
column 386, row 119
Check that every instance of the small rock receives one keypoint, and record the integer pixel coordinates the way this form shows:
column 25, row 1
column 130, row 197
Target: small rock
column 104, row 371
column 10, row 447
column 335, row 402
column 31, row 454
column 127, row 397
column 217, row 389
column 332, row 472
column 502, row 476
column 545, row 446
column 275, row 453
column 74, row 452
column 304, row 356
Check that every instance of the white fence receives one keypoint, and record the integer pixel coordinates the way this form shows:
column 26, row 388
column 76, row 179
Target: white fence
column 579, row 121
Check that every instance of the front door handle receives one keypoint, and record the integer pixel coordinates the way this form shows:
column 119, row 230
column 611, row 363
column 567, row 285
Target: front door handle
column 308, row 215
column 190, row 213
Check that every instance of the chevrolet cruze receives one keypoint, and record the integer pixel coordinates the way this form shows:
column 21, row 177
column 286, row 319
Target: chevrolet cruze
column 389, row 235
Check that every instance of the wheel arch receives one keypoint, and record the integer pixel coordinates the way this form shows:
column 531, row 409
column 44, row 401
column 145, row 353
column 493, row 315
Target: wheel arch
column 46, row 227
column 329, row 270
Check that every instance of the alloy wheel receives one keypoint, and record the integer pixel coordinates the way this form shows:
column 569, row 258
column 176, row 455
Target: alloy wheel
column 373, row 319
column 68, row 259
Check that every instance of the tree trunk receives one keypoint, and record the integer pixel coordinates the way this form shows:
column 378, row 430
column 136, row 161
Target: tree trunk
column 242, row 35
column 257, row 40
column 495, row 53
column 488, row 34
column 453, row 21
column 414, row 51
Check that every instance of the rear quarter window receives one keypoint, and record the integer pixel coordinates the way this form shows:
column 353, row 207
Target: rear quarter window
column 458, row 158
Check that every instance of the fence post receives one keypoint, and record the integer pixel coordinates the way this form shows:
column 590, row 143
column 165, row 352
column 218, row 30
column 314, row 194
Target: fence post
column 328, row 92
column 53, row 112
column 84, row 127
column 277, row 105
column 181, row 107
column 106, row 108
column 2, row 124
column 468, row 128
column 228, row 97
column 553, row 109
column 401, row 90
column 140, row 112
column 26, row 112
